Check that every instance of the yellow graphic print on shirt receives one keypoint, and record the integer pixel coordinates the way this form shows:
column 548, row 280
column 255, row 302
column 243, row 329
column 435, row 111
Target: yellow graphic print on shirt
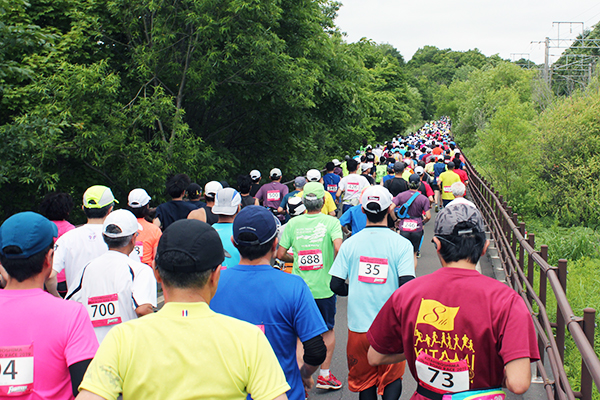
column 445, row 341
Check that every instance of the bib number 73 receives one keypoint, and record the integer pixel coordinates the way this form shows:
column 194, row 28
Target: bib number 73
column 444, row 376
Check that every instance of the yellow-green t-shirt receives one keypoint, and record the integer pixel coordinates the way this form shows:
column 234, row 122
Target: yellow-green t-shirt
column 446, row 180
column 328, row 204
column 183, row 352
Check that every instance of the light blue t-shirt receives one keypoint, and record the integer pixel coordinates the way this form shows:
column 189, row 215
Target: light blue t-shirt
column 225, row 231
column 362, row 260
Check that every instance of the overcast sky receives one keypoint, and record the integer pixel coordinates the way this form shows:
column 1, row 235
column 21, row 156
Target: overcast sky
column 494, row 27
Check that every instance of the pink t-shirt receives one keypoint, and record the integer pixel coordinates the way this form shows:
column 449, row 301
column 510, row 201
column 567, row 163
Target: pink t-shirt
column 63, row 227
column 41, row 337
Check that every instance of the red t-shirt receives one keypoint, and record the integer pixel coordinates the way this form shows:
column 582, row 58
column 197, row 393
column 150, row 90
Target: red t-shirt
column 462, row 174
column 455, row 315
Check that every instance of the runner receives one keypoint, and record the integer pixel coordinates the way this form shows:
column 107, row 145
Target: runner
column 316, row 239
column 329, row 207
column 331, row 181
column 224, row 358
column 227, row 205
column 299, row 183
column 176, row 209
column 397, row 184
column 438, row 168
column 194, row 192
column 366, row 172
column 113, row 287
column 351, row 186
column 459, row 190
column 375, row 262
column 255, row 176
column 482, row 336
column 270, row 194
column 280, row 304
column 46, row 343
column 445, row 182
column 148, row 234
column 205, row 213
column 79, row 246
column 244, row 184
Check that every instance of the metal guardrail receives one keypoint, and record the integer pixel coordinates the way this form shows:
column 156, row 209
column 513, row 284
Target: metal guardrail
column 513, row 246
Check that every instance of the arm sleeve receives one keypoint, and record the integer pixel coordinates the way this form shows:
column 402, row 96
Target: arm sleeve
column 77, row 371
column 405, row 278
column 315, row 351
column 338, row 286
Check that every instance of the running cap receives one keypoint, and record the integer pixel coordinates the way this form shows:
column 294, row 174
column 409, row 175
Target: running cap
column 299, row 182
column 313, row 190
column 295, row 206
column 255, row 174
column 456, row 151
column 414, row 178
column 460, row 219
column 365, row 166
column 227, row 202
column 29, row 231
column 97, row 197
column 313, row 175
column 122, row 219
column 194, row 190
column 198, row 245
column 256, row 220
column 138, row 198
column 419, row 170
column 211, row 188
column 399, row 166
column 336, row 162
column 275, row 173
column 378, row 197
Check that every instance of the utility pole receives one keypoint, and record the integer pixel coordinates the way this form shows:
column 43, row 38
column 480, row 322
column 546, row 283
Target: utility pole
column 547, row 62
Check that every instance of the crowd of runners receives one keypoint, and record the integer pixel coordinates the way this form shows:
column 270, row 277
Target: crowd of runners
column 250, row 275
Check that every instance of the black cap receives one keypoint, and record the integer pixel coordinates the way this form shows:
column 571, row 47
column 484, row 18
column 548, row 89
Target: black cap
column 414, row 178
column 194, row 241
column 399, row 166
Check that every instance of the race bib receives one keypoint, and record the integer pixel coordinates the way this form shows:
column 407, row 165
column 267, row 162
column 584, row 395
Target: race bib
column 444, row 376
column 332, row 188
column 16, row 370
column 139, row 249
column 373, row 270
column 273, row 195
column 309, row 260
column 353, row 187
column 262, row 328
column 447, row 189
column 410, row 225
column 104, row 310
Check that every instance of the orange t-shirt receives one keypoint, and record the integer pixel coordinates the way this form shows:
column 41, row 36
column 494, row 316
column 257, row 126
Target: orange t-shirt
column 437, row 151
column 147, row 241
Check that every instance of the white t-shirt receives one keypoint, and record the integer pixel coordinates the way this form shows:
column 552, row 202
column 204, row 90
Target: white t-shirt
column 76, row 248
column 461, row 200
column 352, row 186
column 111, row 287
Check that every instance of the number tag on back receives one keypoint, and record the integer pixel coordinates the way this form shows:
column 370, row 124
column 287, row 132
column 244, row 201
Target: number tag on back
column 273, row 195
column 444, row 376
column 332, row 188
column 373, row 270
column 104, row 310
column 410, row 225
column 447, row 189
column 16, row 370
column 309, row 260
column 139, row 249
column 353, row 187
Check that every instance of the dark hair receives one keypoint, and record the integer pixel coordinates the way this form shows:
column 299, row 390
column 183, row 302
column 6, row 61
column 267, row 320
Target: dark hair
column 193, row 191
column 465, row 247
column 182, row 280
column 421, row 163
column 363, row 158
column 244, row 183
column 330, row 166
column 352, row 165
column 376, row 217
column 115, row 243
column 177, row 184
column 364, row 141
column 382, row 160
column 457, row 162
column 56, row 206
column 139, row 212
column 23, row 268
column 96, row 213
column 253, row 252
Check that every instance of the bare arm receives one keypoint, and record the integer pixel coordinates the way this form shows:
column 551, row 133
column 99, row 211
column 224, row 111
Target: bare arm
column 375, row 358
column 427, row 216
column 281, row 397
column 85, row 395
column 517, row 375
column 51, row 284
column 332, row 213
column 256, row 203
column 199, row 214
column 283, row 255
column 144, row 309
column 156, row 222
column 337, row 243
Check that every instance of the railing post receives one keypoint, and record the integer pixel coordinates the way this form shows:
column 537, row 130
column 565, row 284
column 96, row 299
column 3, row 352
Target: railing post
column 560, row 319
column 514, row 237
column 530, row 263
column 589, row 316
column 543, row 288
column 521, row 248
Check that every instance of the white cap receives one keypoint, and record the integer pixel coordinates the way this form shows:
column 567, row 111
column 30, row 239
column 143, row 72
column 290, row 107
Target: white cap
column 125, row 220
column 419, row 170
column 313, row 175
column 336, row 162
column 211, row 188
column 366, row 166
column 255, row 174
column 456, row 151
column 376, row 194
column 227, row 201
column 276, row 172
column 138, row 198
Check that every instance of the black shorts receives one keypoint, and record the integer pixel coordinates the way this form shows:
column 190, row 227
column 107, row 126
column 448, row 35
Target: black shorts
column 327, row 308
column 435, row 186
column 414, row 237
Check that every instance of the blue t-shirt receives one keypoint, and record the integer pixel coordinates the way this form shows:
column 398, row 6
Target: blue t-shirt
column 388, row 177
column 356, row 218
column 438, row 168
column 280, row 304
column 371, row 247
column 331, row 182
column 225, row 231
column 172, row 211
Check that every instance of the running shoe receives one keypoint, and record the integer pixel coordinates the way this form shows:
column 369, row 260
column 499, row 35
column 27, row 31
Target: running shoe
column 418, row 254
column 331, row 383
column 437, row 208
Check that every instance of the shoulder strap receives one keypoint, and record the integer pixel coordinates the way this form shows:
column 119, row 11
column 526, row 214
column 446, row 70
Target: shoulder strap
column 413, row 197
